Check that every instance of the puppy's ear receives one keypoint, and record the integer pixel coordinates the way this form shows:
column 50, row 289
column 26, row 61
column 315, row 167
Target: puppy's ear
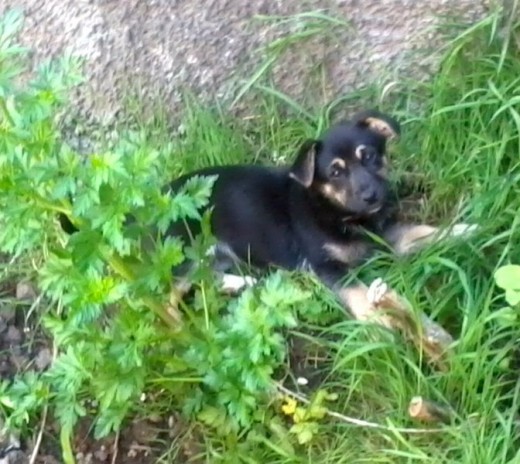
column 378, row 122
column 302, row 170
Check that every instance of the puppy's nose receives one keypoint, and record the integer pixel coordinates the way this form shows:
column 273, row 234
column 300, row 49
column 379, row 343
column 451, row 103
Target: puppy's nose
column 369, row 197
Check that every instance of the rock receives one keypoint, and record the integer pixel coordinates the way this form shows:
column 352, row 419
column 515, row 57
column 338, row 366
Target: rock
column 10, row 447
column 84, row 458
column 25, row 291
column 13, row 336
column 49, row 459
column 144, row 432
column 3, row 325
column 43, row 359
column 8, row 313
column 14, row 457
column 101, row 454
column 5, row 365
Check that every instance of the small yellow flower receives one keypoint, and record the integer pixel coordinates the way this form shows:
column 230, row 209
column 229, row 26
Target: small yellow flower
column 289, row 406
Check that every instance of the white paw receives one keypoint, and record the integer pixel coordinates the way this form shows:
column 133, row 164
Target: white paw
column 457, row 230
column 233, row 283
column 376, row 291
column 462, row 229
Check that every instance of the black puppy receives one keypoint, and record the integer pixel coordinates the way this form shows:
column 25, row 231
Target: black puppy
column 316, row 214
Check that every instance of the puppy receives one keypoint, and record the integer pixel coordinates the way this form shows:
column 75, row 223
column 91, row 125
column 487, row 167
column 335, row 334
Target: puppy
column 316, row 214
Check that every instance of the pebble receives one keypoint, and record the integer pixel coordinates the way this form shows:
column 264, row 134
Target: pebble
column 43, row 359
column 13, row 335
column 25, row 291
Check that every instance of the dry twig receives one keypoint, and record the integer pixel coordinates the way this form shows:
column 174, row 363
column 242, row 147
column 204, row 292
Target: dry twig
column 355, row 421
column 115, row 448
column 39, row 438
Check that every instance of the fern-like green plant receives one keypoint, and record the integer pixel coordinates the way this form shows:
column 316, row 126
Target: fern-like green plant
column 109, row 283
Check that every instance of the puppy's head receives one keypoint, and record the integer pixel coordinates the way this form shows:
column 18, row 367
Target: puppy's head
column 348, row 166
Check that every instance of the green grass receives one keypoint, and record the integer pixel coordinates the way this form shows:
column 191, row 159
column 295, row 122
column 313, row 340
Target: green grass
column 460, row 152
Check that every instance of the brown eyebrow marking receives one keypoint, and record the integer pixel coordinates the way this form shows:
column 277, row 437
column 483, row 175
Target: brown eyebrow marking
column 359, row 151
column 340, row 162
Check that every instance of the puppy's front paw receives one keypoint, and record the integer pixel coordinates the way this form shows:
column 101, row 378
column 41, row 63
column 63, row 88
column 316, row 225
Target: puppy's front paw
column 462, row 230
column 377, row 291
column 381, row 296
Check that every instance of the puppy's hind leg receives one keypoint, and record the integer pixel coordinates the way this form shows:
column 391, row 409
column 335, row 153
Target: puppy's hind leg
column 233, row 284
column 226, row 259
column 180, row 286
column 354, row 298
column 223, row 258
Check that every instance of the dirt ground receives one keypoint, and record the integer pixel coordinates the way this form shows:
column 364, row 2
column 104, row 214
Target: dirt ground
column 23, row 347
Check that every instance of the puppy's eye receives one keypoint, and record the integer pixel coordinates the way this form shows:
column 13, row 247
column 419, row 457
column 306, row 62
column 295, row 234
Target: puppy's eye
column 364, row 153
column 337, row 168
column 361, row 152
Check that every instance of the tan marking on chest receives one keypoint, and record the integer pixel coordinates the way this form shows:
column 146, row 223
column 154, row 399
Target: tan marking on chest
column 351, row 253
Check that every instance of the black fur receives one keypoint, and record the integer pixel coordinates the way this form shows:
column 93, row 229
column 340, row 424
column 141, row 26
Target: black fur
column 291, row 216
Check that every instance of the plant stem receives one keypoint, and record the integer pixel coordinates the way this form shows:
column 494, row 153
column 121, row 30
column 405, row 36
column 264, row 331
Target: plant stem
column 5, row 111
column 43, row 203
column 116, row 263
column 120, row 267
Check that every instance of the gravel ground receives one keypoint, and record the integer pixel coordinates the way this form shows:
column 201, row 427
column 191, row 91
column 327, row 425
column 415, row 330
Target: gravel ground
column 157, row 48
